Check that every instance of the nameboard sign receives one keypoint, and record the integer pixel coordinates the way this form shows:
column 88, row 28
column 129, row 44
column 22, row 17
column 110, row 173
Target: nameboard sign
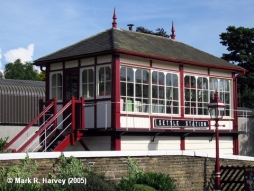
column 180, row 123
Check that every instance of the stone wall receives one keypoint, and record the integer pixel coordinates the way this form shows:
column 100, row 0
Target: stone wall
column 191, row 171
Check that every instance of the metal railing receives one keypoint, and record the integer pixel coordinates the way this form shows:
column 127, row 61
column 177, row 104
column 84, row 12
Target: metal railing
column 132, row 110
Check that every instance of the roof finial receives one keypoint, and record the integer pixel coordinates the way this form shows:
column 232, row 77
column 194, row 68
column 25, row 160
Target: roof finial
column 114, row 24
column 173, row 32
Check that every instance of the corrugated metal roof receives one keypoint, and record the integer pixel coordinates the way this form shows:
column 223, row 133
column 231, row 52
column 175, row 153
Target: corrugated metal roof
column 19, row 100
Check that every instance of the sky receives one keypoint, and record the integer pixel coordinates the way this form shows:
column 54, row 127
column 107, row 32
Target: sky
column 31, row 29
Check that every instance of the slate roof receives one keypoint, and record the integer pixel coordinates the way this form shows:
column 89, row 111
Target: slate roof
column 115, row 39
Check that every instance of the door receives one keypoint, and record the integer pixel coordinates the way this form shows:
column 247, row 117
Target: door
column 71, row 88
column 71, row 85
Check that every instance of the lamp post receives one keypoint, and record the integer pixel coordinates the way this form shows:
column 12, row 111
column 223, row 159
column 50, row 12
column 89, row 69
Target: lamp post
column 216, row 109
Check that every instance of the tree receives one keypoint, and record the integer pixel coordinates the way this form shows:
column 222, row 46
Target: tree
column 240, row 44
column 41, row 76
column 20, row 71
column 159, row 31
column 1, row 75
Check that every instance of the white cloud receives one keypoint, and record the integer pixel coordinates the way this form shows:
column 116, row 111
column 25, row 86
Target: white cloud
column 24, row 54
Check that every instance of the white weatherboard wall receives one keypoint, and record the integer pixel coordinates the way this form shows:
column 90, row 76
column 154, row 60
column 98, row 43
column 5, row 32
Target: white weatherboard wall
column 202, row 144
column 132, row 143
column 103, row 114
column 135, row 122
column 89, row 115
column 100, row 143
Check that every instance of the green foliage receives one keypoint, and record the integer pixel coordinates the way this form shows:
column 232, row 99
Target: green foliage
column 145, row 180
column 74, row 168
column 133, row 168
column 239, row 42
column 159, row 181
column 70, row 167
column 98, row 182
column 1, row 75
column 41, row 76
column 24, row 171
column 3, row 143
column 20, row 187
column 20, row 71
column 159, row 31
column 247, row 95
column 142, row 187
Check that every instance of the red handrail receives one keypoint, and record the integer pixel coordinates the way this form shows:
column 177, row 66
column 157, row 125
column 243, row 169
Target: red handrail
column 29, row 125
column 45, row 126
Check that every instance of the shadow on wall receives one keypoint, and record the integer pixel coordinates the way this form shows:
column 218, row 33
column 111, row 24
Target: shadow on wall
column 208, row 181
column 246, row 140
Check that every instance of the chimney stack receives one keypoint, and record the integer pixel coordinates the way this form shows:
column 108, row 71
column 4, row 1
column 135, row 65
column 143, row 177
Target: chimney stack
column 130, row 26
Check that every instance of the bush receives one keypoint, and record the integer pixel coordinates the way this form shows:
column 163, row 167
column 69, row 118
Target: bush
column 98, row 182
column 142, row 187
column 3, row 143
column 140, row 180
column 23, row 171
column 73, row 167
column 159, row 181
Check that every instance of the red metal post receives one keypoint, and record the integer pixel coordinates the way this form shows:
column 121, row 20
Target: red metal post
column 40, row 110
column 55, row 111
column 82, row 113
column 217, row 162
column 73, row 124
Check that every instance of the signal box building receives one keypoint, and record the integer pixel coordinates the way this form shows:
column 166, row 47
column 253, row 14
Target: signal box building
column 140, row 92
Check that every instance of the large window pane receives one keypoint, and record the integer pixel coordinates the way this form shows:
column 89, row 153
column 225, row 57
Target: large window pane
column 56, row 86
column 135, row 89
column 105, row 81
column 88, row 83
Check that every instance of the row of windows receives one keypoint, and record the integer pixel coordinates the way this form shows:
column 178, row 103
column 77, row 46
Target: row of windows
column 148, row 91
column 87, row 83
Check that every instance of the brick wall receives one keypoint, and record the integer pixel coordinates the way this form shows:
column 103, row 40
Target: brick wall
column 190, row 170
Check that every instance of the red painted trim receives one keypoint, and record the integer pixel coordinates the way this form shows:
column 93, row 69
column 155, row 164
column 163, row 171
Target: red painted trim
column 115, row 142
column 29, row 141
column 182, row 146
column 82, row 113
column 84, row 145
column 151, row 63
column 179, row 61
column 64, row 143
column 170, row 116
column 55, row 111
column 47, row 96
column 40, row 110
column 208, row 71
column 116, row 92
column 181, row 82
column 235, row 145
column 73, row 121
column 115, row 115
column 235, row 103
